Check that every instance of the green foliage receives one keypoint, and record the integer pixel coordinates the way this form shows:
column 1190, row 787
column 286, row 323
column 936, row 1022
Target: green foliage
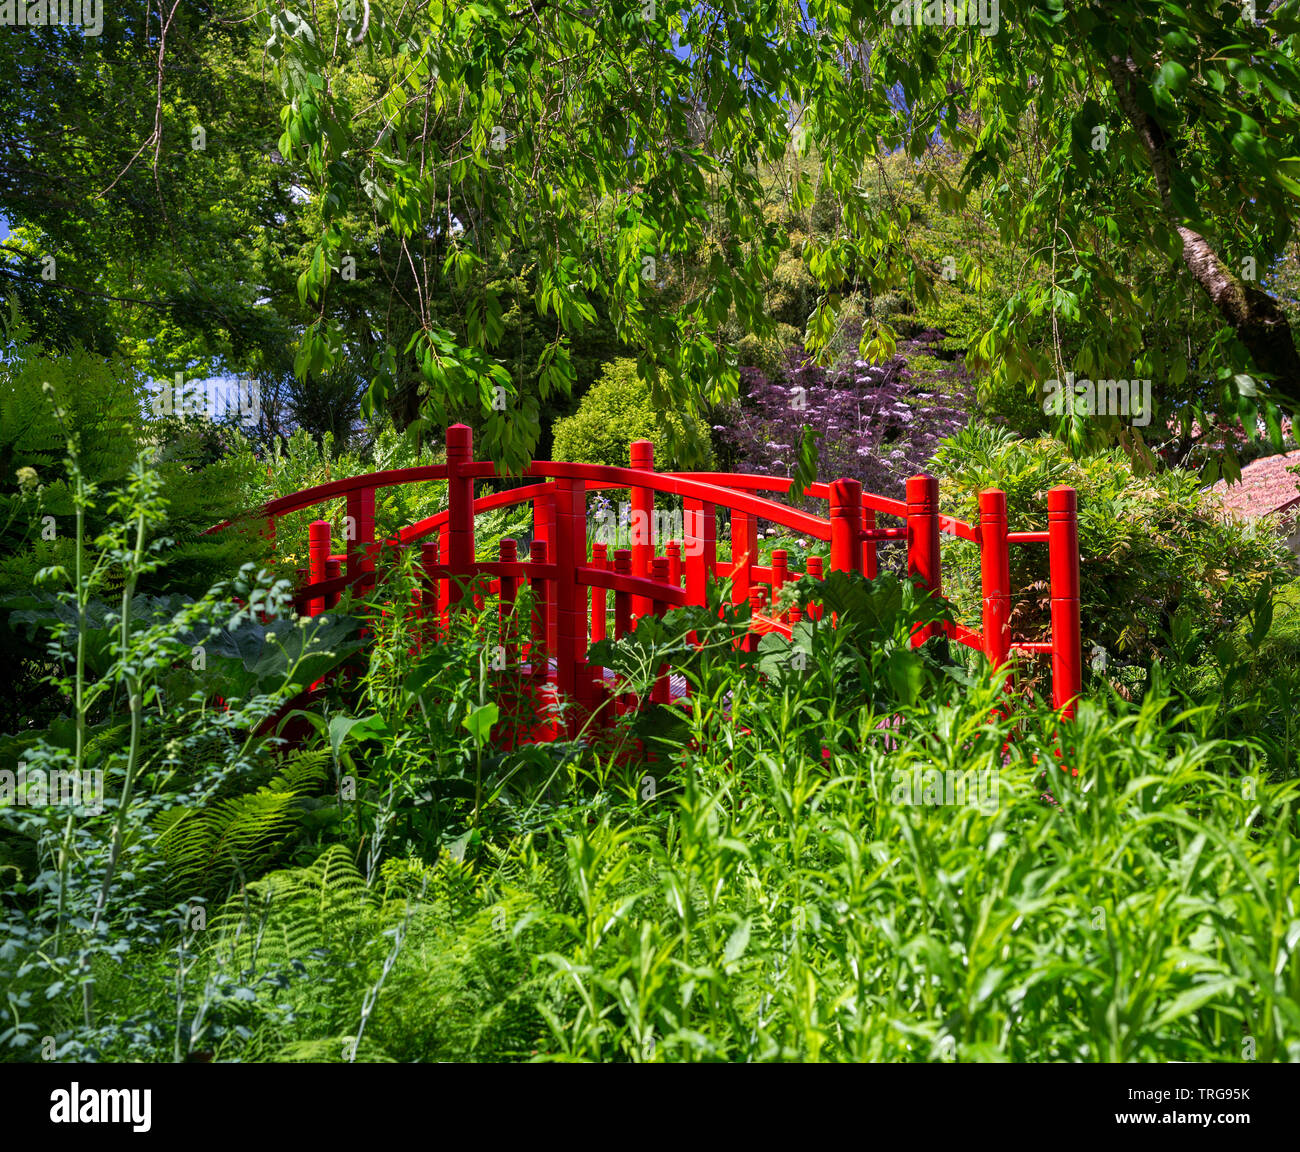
column 1151, row 547
column 619, row 409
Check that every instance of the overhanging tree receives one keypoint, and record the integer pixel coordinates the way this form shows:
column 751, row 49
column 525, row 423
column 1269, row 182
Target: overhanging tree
column 1146, row 131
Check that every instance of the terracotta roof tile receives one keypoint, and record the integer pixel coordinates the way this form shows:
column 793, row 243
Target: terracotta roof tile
column 1265, row 486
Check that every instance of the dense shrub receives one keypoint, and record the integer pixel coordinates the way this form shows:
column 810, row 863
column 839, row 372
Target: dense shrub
column 875, row 423
column 1152, row 546
column 619, row 409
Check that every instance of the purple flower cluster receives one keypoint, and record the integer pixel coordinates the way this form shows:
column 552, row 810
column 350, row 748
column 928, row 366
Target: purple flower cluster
column 878, row 424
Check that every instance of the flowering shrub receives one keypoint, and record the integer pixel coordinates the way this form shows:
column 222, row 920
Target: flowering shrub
column 876, row 423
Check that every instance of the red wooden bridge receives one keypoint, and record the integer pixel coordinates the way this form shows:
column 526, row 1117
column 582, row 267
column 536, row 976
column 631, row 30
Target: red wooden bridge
column 570, row 583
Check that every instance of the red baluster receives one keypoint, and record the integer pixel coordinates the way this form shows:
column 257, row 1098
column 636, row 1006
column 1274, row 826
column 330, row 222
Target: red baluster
column 641, row 455
column 846, row 526
column 995, row 576
column 460, row 516
column 674, row 551
column 870, row 557
column 318, row 550
column 1067, row 644
column 600, row 560
column 509, row 553
column 661, row 693
column 537, row 660
column 744, row 554
column 622, row 600
column 923, row 543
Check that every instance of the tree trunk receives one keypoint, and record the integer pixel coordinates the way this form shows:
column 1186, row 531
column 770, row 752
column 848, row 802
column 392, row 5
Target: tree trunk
column 1257, row 318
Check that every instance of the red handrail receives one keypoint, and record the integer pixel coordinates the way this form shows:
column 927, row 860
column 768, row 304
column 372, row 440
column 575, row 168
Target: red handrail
column 570, row 586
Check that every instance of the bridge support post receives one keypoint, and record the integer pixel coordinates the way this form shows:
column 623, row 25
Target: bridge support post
column 570, row 596
column 1063, row 555
column 540, row 630
column 995, row 576
column 360, row 534
column 744, row 552
column 846, row 526
column 661, row 693
column 641, row 455
column 701, row 530
column 870, row 557
column 459, row 556
column 780, row 576
column 923, row 542
column 599, row 559
column 622, row 616
column 318, row 551
column 427, row 599
column 509, row 553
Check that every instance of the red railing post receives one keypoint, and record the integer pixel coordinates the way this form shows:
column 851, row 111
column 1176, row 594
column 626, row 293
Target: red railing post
column 1063, row 555
column 427, row 598
column 460, row 516
column 333, row 568
column 701, row 531
column 318, row 550
column 674, row 553
column 995, row 576
column 509, row 553
column 641, row 455
column 622, row 600
column 537, row 658
column 814, row 569
column 923, row 542
column 360, row 531
column 661, row 693
column 744, row 553
column 570, row 596
column 846, row 526
column 780, row 575
column 870, row 557
column 599, row 559
column 622, row 612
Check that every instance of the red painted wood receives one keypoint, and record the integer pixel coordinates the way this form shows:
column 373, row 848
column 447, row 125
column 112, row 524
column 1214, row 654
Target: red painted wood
column 360, row 531
column 460, row 507
column 814, row 567
column 870, row 559
column 537, row 651
column 661, row 692
column 923, row 541
column 599, row 559
column 429, row 610
column 674, row 553
column 509, row 585
column 995, row 576
column 622, row 599
column 846, row 526
column 744, row 554
column 318, row 550
column 571, row 597
column 641, row 457
column 1063, row 551
column 780, row 576
column 701, row 548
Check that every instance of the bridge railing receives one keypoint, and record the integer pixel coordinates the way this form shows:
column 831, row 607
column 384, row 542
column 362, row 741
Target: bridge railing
column 571, row 584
